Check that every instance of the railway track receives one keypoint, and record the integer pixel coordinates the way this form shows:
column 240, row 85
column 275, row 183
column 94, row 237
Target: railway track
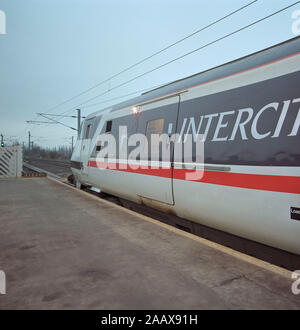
column 28, row 171
column 60, row 168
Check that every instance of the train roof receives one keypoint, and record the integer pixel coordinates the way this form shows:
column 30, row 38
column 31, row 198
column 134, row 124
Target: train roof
column 267, row 55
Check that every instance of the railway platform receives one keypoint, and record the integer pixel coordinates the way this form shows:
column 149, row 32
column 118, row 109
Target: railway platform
column 61, row 248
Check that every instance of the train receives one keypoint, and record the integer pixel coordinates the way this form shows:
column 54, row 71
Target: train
column 247, row 113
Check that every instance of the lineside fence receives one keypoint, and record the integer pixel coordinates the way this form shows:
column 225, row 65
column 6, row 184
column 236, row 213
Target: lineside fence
column 11, row 162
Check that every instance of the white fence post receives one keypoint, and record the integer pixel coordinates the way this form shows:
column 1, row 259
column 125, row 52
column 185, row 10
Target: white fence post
column 11, row 162
column 2, row 282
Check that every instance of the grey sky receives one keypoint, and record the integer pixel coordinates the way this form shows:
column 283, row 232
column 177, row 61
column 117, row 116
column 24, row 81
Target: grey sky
column 56, row 49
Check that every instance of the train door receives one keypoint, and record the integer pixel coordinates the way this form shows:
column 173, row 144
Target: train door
column 85, row 146
column 158, row 117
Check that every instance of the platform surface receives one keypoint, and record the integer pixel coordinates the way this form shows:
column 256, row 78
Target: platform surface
column 63, row 249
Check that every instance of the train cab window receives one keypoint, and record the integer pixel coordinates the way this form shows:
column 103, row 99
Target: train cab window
column 82, row 130
column 108, row 126
column 154, row 127
column 87, row 132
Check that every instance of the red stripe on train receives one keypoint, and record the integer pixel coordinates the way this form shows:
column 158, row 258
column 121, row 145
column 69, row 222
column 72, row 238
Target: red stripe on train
column 277, row 183
column 138, row 169
column 288, row 184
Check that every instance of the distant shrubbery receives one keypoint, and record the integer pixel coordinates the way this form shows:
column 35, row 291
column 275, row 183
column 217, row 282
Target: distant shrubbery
column 62, row 152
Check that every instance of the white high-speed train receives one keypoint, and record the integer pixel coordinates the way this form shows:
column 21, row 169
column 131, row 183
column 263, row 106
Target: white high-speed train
column 248, row 112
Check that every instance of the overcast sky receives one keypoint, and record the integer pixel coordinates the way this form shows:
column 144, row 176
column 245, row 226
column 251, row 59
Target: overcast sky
column 55, row 49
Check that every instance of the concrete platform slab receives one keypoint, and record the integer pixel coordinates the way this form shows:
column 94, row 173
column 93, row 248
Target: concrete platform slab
column 64, row 249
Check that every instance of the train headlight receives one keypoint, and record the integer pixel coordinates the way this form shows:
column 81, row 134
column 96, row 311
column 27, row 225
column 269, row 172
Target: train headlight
column 135, row 110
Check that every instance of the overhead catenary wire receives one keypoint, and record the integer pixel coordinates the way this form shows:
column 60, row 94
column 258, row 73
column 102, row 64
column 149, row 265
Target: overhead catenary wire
column 191, row 52
column 112, row 99
column 122, row 96
column 57, row 122
column 184, row 55
column 50, row 114
column 154, row 54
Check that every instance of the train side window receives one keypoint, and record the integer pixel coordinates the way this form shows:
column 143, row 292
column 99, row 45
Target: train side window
column 87, row 132
column 154, row 127
column 98, row 147
column 108, row 126
column 94, row 126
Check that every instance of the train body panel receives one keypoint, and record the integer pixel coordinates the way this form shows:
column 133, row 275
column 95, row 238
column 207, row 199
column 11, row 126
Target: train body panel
column 248, row 115
column 258, row 215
